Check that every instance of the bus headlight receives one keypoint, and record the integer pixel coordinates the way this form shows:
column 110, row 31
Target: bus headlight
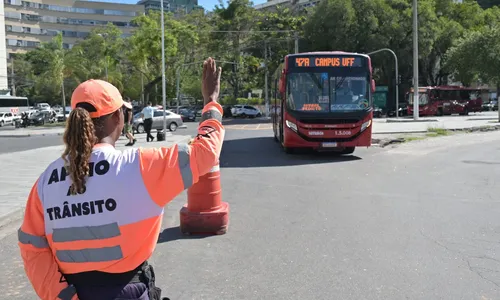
column 366, row 125
column 291, row 125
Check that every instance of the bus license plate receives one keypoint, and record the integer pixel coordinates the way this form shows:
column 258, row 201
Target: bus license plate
column 329, row 145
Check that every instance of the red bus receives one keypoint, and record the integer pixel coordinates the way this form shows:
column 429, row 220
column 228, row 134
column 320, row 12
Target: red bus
column 446, row 100
column 323, row 101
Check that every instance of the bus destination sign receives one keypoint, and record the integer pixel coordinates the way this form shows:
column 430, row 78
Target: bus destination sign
column 329, row 62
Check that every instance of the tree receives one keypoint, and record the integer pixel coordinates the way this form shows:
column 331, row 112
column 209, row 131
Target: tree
column 233, row 22
column 101, row 54
column 52, row 66
column 477, row 57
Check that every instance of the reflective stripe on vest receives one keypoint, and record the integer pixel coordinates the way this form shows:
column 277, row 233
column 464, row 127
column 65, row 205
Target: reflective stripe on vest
column 29, row 239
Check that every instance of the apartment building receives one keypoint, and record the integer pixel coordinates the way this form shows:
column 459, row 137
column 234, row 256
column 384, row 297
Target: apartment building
column 294, row 4
column 29, row 23
column 174, row 6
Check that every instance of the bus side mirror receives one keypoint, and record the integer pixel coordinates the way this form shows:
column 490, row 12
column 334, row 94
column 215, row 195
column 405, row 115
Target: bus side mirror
column 373, row 86
column 283, row 82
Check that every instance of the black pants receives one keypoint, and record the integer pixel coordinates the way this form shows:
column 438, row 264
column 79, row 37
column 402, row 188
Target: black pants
column 147, row 127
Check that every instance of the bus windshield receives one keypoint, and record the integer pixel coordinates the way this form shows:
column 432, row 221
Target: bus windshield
column 324, row 92
column 423, row 98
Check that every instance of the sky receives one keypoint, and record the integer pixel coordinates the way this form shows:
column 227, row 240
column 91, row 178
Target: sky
column 207, row 4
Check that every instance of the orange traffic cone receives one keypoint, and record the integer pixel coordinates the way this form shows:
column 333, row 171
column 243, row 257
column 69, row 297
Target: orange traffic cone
column 205, row 213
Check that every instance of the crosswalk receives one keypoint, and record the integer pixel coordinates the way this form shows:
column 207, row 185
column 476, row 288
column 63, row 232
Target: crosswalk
column 261, row 126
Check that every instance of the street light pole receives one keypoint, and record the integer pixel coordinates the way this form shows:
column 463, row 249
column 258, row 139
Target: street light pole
column 397, row 75
column 415, row 61
column 266, row 93
column 163, row 82
column 177, row 87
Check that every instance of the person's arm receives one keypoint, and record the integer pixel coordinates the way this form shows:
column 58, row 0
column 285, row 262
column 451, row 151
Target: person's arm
column 39, row 262
column 130, row 117
column 166, row 172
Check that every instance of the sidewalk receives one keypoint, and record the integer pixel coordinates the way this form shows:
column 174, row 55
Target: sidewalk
column 19, row 171
column 42, row 131
column 406, row 125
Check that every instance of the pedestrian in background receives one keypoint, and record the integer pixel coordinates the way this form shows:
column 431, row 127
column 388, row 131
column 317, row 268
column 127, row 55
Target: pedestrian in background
column 93, row 217
column 147, row 117
column 128, row 119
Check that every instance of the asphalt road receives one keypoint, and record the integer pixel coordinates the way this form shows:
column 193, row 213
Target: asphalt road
column 417, row 221
column 15, row 144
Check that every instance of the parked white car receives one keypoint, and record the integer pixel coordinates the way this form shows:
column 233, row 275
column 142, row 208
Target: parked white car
column 245, row 111
column 173, row 121
column 43, row 106
column 6, row 118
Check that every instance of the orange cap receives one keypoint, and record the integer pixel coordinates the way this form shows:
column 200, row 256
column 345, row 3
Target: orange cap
column 101, row 94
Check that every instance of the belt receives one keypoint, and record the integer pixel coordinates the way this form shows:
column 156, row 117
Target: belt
column 144, row 273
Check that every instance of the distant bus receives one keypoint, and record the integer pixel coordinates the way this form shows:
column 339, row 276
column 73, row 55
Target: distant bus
column 446, row 100
column 323, row 101
column 13, row 104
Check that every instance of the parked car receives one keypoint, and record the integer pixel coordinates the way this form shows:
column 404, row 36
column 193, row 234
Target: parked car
column 490, row 106
column 40, row 118
column 6, row 118
column 245, row 111
column 403, row 110
column 188, row 115
column 377, row 112
column 173, row 121
column 60, row 116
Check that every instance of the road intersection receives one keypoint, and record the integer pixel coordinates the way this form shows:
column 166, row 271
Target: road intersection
column 413, row 221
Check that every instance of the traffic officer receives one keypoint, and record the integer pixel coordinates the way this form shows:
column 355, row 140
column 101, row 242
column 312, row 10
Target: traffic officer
column 93, row 217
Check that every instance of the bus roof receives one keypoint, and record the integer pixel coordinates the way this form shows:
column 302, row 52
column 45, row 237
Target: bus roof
column 329, row 53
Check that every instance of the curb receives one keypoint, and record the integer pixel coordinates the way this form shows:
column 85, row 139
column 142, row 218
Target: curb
column 28, row 135
column 410, row 120
column 401, row 132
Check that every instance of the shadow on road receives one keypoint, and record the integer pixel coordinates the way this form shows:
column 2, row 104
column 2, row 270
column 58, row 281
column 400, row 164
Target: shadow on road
column 265, row 152
column 245, row 121
column 174, row 233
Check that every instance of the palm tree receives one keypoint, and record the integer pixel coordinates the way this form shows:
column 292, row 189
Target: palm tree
column 60, row 65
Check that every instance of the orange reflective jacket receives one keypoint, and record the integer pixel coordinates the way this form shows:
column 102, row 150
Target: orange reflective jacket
column 114, row 225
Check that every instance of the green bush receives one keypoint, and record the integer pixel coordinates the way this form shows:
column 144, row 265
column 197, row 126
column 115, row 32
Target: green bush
column 251, row 101
column 228, row 100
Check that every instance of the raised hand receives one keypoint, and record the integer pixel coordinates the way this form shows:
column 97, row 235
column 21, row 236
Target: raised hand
column 210, row 81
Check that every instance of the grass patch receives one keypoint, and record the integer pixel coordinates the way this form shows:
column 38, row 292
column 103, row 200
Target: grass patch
column 435, row 131
column 414, row 138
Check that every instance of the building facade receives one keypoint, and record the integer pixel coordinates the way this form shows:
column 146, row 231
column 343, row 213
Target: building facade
column 174, row 6
column 29, row 23
column 3, row 52
column 294, row 4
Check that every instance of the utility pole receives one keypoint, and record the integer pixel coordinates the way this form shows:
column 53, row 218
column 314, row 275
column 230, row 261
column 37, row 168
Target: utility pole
column 296, row 37
column 415, row 61
column 163, row 80
column 142, row 88
column 396, row 75
column 177, row 87
column 13, row 82
column 266, row 94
